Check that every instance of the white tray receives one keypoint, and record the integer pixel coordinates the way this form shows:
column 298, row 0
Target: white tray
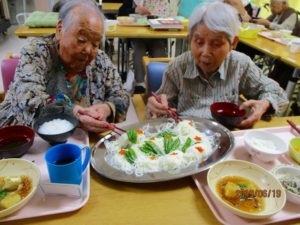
column 57, row 201
column 289, row 212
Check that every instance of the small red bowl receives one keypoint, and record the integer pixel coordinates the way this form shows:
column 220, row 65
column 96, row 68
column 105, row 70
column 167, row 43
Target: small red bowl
column 15, row 141
column 227, row 113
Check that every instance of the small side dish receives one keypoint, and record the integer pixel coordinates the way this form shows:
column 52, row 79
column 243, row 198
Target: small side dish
column 289, row 177
column 246, row 189
column 264, row 146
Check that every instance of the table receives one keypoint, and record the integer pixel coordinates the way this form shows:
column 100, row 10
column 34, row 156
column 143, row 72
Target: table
column 175, row 202
column 111, row 7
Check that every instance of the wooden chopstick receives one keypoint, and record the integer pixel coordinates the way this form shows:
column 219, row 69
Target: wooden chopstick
column 171, row 112
column 294, row 126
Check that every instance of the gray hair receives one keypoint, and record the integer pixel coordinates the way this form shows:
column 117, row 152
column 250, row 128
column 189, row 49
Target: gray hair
column 66, row 15
column 218, row 17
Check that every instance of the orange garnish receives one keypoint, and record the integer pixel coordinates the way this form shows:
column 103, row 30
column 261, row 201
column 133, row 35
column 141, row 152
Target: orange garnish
column 199, row 149
column 153, row 158
column 122, row 152
column 139, row 131
column 152, row 139
column 174, row 153
column 191, row 124
column 197, row 138
column 168, row 136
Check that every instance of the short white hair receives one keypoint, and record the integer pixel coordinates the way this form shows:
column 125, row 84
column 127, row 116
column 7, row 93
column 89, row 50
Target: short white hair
column 66, row 12
column 218, row 17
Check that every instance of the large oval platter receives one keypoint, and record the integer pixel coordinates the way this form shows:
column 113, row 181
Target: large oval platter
column 225, row 144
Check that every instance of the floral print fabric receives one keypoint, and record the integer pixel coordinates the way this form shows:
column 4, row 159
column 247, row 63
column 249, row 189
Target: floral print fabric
column 40, row 76
column 161, row 8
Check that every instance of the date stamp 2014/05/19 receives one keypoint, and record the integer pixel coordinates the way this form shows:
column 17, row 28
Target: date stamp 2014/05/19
column 261, row 193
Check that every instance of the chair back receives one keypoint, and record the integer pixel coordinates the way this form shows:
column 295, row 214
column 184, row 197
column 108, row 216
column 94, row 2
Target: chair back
column 8, row 68
column 155, row 71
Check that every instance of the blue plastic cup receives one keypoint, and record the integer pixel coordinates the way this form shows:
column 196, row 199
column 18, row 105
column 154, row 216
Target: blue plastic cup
column 64, row 163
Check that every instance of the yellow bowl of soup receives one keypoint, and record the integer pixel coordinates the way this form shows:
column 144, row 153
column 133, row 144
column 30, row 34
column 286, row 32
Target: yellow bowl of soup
column 246, row 189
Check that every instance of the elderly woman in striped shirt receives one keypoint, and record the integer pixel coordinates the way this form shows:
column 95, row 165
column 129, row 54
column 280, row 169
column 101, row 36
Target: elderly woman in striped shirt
column 212, row 71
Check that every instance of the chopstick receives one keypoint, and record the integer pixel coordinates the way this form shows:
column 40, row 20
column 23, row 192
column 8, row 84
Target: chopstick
column 170, row 111
column 294, row 126
column 114, row 128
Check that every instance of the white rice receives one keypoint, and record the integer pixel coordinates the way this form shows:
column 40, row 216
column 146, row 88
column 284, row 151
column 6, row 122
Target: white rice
column 55, row 126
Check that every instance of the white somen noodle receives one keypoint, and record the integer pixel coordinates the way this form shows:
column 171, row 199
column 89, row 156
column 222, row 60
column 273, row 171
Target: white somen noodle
column 200, row 148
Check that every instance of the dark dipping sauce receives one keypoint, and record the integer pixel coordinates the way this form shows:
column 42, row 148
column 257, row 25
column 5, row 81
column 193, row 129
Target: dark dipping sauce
column 231, row 112
column 12, row 142
column 64, row 161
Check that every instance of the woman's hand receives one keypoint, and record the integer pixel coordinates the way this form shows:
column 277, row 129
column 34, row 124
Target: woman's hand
column 156, row 108
column 257, row 109
column 261, row 21
column 93, row 118
column 142, row 10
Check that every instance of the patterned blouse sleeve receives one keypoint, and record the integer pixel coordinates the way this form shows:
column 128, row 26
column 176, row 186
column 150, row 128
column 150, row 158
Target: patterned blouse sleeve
column 28, row 91
column 262, row 87
column 107, row 87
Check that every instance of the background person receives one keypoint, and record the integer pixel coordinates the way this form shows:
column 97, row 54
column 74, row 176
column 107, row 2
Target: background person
column 154, row 47
column 68, row 71
column 213, row 72
column 282, row 17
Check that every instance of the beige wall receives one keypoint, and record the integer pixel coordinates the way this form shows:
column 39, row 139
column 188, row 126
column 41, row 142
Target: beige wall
column 44, row 5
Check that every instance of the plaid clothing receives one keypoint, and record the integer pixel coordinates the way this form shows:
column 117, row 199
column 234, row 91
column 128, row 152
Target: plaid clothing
column 191, row 94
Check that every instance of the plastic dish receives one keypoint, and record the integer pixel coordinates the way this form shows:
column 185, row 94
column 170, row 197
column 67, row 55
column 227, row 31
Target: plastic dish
column 249, row 33
column 15, row 141
column 262, row 178
column 227, row 113
column 294, row 149
column 264, row 146
column 19, row 167
column 286, row 174
column 60, row 137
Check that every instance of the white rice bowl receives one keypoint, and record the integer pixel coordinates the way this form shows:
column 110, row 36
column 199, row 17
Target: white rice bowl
column 55, row 126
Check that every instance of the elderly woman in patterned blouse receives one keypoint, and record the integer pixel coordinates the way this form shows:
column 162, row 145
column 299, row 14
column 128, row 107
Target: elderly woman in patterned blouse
column 213, row 72
column 67, row 71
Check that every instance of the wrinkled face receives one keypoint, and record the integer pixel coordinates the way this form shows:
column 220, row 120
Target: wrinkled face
column 80, row 41
column 209, row 48
column 276, row 6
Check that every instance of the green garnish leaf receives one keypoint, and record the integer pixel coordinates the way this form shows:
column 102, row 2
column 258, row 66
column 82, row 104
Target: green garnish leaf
column 132, row 136
column 242, row 186
column 186, row 145
column 150, row 148
column 166, row 133
column 130, row 156
column 3, row 194
column 171, row 145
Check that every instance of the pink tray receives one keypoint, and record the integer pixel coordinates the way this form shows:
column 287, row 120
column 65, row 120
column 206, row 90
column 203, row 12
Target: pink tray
column 42, row 203
column 290, row 211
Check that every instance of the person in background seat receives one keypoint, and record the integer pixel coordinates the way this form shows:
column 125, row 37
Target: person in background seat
column 213, row 72
column 155, row 47
column 282, row 17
